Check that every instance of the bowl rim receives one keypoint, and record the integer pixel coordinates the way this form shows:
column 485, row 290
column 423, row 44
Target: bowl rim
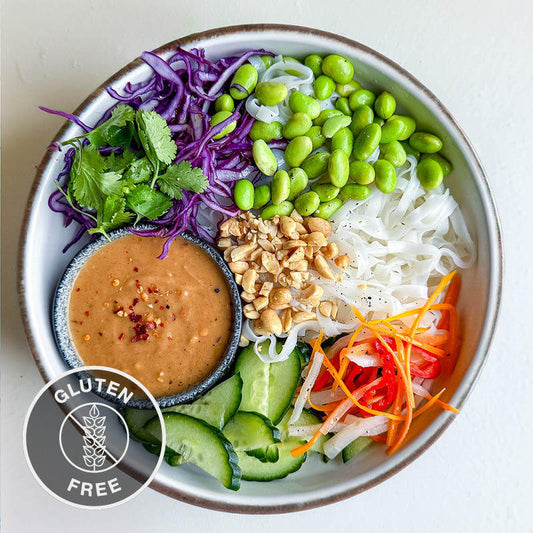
column 495, row 270
column 67, row 348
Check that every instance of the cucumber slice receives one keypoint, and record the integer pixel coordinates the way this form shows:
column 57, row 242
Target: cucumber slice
column 255, row 470
column 284, row 378
column 247, row 431
column 255, row 377
column 270, row 454
column 306, row 419
column 217, row 406
column 355, row 447
column 136, row 419
column 200, row 444
column 268, row 388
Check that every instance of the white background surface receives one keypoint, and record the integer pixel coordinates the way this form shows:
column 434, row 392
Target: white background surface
column 477, row 57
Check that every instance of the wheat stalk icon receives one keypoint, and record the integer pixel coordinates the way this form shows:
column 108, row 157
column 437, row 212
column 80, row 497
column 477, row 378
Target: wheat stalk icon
column 94, row 448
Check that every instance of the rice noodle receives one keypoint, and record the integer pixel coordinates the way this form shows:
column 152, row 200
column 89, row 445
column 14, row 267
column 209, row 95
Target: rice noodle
column 400, row 245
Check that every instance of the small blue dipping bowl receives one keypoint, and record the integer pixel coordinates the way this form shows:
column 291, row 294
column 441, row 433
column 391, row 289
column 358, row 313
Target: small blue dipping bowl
column 60, row 319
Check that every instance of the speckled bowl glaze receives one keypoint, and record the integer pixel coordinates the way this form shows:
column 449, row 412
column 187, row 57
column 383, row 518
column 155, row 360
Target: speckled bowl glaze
column 60, row 319
column 316, row 483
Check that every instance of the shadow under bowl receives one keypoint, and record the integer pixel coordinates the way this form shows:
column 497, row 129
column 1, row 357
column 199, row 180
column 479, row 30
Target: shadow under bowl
column 60, row 318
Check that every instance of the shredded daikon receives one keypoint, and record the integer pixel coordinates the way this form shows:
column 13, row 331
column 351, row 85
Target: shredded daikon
column 357, row 428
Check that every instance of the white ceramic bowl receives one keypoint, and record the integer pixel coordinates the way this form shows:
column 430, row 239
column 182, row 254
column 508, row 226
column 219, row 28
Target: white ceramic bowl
column 42, row 263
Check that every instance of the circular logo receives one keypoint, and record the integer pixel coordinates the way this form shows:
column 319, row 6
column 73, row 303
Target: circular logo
column 78, row 444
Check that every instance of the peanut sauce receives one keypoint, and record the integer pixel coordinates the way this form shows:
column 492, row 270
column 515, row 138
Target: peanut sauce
column 165, row 322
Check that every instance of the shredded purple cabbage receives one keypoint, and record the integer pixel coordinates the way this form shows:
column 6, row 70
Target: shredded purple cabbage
column 182, row 90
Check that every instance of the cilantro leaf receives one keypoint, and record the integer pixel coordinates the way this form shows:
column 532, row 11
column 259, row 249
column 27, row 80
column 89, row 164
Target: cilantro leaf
column 116, row 131
column 89, row 184
column 182, row 177
column 112, row 216
column 139, row 171
column 147, row 202
column 156, row 138
column 119, row 163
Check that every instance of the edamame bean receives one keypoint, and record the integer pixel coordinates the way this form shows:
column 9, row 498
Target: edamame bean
column 314, row 62
column 338, row 168
column 334, row 124
column 243, row 194
column 342, row 105
column 379, row 121
column 315, row 134
column 343, row 140
column 266, row 132
column 346, row 89
column 299, row 124
column 429, row 173
column 299, row 182
column 393, row 152
column 280, row 186
column 409, row 124
column 424, row 142
column 362, row 116
column 325, row 114
column 270, row 92
column 338, row 68
column 366, row 142
column 224, row 103
column 315, row 165
column 307, row 203
column 385, row 176
column 325, row 191
column 361, row 97
column 268, row 61
column 327, row 209
column 385, row 105
column 283, row 210
column 443, row 162
column 219, row 117
column 301, row 103
column 362, row 172
column 354, row 191
column 392, row 130
column 297, row 150
column 324, row 87
column 264, row 159
column 261, row 196
column 243, row 82
column 409, row 150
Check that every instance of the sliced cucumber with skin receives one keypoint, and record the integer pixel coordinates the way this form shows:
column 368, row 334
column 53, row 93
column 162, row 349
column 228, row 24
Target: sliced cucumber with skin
column 355, row 447
column 268, row 388
column 284, row 378
column 306, row 419
column 269, row 454
column 254, row 469
column 201, row 444
column 255, row 377
column 247, row 431
column 136, row 419
column 217, row 406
